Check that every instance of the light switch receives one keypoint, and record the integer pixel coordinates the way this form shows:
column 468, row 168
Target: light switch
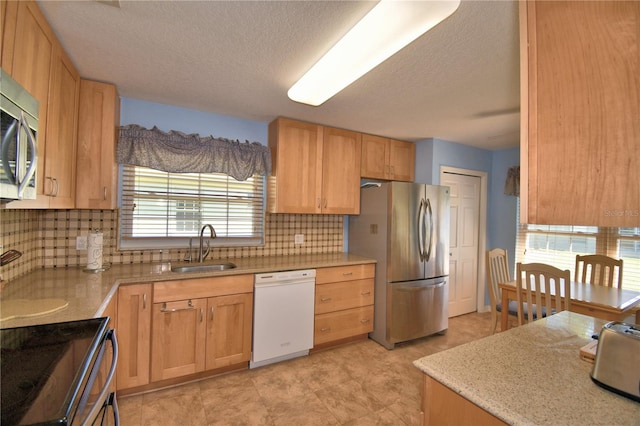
column 81, row 243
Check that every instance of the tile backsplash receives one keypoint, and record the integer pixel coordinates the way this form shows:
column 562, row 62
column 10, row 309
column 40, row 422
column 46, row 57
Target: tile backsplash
column 47, row 239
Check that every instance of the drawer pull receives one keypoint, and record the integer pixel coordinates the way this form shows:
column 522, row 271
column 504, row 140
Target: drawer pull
column 346, row 274
column 325, row 299
column 325, row 330
column 365, row 293
column 189, row 307
column 364, row 321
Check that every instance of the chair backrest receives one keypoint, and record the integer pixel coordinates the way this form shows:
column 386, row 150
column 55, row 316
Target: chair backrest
column 538, row 279
column 598, row 269
column 497, row 272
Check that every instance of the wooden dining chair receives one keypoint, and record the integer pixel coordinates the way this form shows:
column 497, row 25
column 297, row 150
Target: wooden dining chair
column 498, row 272
column 539, row 279
column 598, row 269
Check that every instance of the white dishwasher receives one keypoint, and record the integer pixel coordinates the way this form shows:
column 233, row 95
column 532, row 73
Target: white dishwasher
column 282, row 316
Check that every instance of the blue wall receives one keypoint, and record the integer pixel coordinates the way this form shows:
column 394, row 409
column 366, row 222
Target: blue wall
column 433, row 153
column 502, row 221
column 168, row 117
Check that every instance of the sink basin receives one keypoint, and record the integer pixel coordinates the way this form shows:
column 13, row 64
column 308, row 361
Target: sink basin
column 204, row 267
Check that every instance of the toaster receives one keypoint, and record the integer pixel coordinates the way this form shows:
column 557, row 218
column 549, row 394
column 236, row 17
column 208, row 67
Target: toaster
column 617, row 363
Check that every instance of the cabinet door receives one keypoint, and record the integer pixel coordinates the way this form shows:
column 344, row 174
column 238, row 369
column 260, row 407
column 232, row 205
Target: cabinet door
column 229, row 330
column 134, row 335
column 8, row 17
column 402, row 159
column 580, row 112
column 29, row 61
column 339, row 325
column 178, row 338
column 60, row 153
column 341, row 171
column 296, row 182
column 375, row 157
column 343, row 295
column 98, row 121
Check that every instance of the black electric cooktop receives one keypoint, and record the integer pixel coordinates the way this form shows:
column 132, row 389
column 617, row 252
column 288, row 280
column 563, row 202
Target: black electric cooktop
column 43, row 369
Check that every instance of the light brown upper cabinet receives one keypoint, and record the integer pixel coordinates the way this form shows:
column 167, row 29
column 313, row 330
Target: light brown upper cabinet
column 580, row 95
column 32, row 55
column 316, row 169
column 62, row 130
column 98, row 122
column 387, row 159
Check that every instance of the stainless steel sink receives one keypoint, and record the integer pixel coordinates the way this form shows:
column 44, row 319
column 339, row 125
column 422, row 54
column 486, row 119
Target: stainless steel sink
column 204, row 267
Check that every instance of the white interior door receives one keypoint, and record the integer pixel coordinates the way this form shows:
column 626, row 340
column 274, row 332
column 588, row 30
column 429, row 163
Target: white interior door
column 463, row 262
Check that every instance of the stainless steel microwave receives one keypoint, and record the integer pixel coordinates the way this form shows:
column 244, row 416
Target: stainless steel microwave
column 19, row 153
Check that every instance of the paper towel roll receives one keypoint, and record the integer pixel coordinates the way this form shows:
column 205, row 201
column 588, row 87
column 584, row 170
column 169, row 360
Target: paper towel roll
column 94, row 250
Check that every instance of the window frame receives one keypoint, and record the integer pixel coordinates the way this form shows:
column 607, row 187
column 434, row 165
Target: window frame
column 126, row 243
column 606, row 243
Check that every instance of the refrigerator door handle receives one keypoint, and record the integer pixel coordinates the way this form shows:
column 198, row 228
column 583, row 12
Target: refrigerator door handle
column 428, row 248
column 420, row 230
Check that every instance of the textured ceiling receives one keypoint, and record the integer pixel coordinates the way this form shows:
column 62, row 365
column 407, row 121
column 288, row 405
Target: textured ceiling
column 458, row 82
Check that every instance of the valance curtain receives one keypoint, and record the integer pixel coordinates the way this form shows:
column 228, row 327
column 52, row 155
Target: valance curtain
column 177, row 152
column 512, row 184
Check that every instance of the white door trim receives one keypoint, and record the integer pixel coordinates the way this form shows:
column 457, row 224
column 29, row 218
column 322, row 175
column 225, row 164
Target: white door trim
column 482, row 228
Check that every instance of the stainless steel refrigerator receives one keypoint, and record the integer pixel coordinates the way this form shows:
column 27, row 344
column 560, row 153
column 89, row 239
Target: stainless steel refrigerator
column 405, row 227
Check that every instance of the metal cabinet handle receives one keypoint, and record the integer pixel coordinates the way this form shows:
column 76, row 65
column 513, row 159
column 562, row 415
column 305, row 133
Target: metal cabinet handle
column 104, row 194
column 57, row 186
column 144, row 301
column 50, row 193
column 211, row 314
column 201, row 314
column 189, row 307
column 318, row 202
column 326, row 329
column 326, row 203
column 364, row 321
column 346, row 274
column 325, row 299
column 365, row 293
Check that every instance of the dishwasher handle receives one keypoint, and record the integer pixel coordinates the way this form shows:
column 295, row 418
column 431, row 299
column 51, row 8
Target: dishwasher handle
column 283, row 283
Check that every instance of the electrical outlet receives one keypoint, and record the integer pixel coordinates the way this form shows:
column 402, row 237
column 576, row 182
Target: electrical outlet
column 298, row 239
column 81, row 243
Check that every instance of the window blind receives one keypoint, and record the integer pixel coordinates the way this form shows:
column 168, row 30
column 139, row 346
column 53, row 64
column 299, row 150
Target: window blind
column 558, row 245
column 157, row 205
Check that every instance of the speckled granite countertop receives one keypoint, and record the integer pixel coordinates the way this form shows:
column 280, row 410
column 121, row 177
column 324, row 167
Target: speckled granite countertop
column 89, row 293
column 533, row 375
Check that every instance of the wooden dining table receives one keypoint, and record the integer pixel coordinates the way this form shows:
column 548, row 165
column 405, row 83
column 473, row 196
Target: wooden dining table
column 607, row 303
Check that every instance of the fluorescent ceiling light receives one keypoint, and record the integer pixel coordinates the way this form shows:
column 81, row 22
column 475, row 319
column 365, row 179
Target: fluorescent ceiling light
column 387, row 28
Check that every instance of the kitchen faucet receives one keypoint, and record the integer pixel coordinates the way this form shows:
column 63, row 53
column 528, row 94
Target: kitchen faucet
column 203, row 256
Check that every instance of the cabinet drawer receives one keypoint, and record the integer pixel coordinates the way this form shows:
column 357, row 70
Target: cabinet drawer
column 342, row 324
column 345, row 273
column 343, row 295
column 198, row 288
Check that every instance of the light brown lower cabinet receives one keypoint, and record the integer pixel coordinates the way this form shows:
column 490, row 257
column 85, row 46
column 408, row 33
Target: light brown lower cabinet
column 178, row 338
column 442, row 406
column 133, row 331
column 344, row 303
column 191, row 336
column 229, row 330
column 197, row 334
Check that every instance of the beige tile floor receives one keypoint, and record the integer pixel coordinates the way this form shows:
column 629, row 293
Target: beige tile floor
column 361, row 383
